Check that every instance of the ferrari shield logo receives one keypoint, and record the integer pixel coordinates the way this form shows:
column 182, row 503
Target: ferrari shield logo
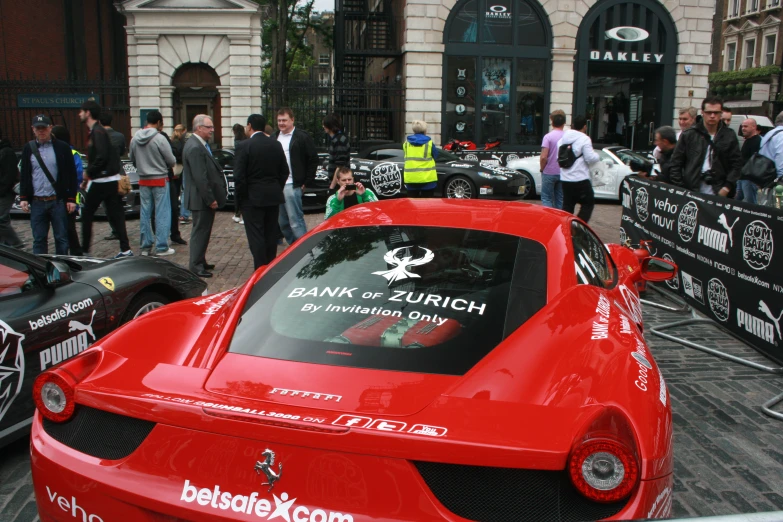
column 11, row 366
column 107, row 282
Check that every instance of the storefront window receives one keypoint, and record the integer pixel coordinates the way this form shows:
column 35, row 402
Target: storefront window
column 498, row 22
column 497, row 88
column 464, row 27
column 460, row 99
column 530, row 101
column 495, row 98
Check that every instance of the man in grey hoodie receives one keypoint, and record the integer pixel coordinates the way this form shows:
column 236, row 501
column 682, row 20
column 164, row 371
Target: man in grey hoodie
column 151, row 153
column 575, row 179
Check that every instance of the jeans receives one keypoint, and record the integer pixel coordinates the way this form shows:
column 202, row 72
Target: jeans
column 291, row 217
column 183, row 210
column 43, row 213
column 747, row 191
column 7, row 234
column 157, row 197
column 579, row 192
column 551, row 191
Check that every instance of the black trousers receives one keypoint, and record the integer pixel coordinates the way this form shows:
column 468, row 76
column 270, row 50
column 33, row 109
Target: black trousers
column 199, row 238
column 579, row 192
column 74, row 245
column 175, row 186
column 105, row 193
column 262, row 232
column 421, row 193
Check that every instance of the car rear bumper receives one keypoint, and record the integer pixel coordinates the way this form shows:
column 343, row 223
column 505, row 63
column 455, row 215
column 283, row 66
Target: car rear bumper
column 181, row 474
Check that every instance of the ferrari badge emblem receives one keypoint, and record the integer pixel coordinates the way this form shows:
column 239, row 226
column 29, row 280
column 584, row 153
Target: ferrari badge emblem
column 266, row 466
column 107, row 282
column 400, row 270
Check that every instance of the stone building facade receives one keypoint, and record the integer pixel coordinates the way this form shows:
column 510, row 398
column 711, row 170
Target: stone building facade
column 187, row 57
column 684, row 68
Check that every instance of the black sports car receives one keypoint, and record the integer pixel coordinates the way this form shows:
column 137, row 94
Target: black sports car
column 382, row 166
column 54, row 307
column 131, row 201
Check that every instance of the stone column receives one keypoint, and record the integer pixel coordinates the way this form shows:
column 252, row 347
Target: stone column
column 148, row 77
column 562, row 94
column 167, row 108
column 226, row 119
column 423, row 66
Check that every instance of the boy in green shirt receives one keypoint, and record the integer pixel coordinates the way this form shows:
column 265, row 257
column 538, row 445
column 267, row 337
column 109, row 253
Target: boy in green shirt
column 348, row 195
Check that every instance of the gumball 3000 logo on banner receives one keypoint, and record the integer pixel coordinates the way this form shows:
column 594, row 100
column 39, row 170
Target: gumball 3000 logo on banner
column 386, row 178
column 725, row 252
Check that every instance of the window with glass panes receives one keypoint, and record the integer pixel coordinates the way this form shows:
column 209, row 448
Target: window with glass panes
column 496, row 79
column 770, row 42
column 731, row 56
column 750, row 51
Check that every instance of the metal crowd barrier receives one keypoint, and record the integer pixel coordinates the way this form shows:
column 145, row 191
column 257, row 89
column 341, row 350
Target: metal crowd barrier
column 766, row 408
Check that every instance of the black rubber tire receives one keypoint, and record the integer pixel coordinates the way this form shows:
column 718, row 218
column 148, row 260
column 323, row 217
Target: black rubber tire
column 142, row 300
column 464, row 182
column 530, row 194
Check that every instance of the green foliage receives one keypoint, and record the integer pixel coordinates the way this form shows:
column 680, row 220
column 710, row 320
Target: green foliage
column 746, row 75
column 721, row 90
column 731, row 88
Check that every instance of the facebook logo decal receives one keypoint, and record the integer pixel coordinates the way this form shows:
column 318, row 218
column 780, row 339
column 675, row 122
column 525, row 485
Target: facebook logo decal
column 353, row 421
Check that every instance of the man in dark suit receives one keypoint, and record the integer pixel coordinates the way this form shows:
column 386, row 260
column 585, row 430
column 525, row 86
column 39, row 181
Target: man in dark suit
column 260, row 173
column 206, row 191
column 302, row 159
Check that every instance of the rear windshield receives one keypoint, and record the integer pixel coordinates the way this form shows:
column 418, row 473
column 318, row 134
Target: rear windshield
column 419, row 299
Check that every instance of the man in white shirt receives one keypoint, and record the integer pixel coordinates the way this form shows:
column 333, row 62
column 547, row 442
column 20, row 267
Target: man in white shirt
column 302, row 159
column 577, row 187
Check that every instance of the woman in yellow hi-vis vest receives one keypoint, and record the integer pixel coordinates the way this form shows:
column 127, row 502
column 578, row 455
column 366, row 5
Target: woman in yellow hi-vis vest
column 421, row 178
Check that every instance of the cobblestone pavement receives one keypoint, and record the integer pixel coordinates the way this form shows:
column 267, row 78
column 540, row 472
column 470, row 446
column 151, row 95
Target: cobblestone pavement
column 728, row 455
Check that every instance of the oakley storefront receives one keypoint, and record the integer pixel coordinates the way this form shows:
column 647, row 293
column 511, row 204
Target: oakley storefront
column 487, row 70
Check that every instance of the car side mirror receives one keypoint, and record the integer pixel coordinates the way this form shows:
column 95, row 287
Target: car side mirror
column 657, row 269
column 57, row 273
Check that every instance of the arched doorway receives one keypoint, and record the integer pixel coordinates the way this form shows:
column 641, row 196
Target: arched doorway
column 196, row 93
column 625, row 71
column 497, row 68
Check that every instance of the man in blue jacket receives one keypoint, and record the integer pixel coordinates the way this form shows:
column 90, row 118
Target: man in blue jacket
column 47, row 188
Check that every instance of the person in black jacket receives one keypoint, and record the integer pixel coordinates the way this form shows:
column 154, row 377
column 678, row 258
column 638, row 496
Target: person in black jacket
column 260, row 173
column 339, row 147
column 9, row 177
column 48, row 191
column 707, row 157
column 302, row 158
column 117, row 140
column 747, row 190
column 665, row 141
column 102, row 177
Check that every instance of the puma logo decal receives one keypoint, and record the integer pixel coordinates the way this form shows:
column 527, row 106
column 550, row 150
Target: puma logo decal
column 76, row 325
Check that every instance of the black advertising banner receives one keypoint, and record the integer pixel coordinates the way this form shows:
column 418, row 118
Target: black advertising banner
column 725, row 251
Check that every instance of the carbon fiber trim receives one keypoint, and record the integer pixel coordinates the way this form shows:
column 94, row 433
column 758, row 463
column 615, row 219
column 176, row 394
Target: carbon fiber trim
column 99, row 433
column 509, row 494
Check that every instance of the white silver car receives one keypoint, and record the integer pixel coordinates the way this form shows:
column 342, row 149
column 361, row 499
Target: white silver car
column 614, row 166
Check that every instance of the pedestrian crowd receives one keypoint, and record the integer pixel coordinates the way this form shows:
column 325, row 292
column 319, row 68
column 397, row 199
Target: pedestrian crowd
column 704, row 156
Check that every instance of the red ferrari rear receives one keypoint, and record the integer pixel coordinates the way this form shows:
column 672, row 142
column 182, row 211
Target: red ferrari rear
column 372, row 373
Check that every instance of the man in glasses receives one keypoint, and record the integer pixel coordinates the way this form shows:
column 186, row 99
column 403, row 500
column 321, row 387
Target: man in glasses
column 205, row 193
column 707, row 157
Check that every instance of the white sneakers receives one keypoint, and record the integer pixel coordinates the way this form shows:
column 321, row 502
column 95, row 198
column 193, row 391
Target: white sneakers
column 236, row 219
column 168, row 252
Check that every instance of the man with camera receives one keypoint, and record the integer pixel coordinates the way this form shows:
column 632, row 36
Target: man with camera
column 348, row 195
column 707, row 156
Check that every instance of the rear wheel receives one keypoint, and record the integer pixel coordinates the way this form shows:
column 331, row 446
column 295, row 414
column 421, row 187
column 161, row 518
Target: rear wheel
column 529, row 184
column 144, row 303
column 460, row 187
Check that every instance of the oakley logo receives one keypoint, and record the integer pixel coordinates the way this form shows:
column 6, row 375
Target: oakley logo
column 401, row 264
column 627, row 34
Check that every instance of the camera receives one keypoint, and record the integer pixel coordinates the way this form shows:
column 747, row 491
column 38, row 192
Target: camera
column 352, row 186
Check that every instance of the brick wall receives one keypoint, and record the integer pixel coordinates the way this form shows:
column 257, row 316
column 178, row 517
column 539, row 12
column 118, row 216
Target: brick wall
column 32, row 39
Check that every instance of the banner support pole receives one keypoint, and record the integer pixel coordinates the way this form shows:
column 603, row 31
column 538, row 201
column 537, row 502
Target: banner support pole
column 669, row 296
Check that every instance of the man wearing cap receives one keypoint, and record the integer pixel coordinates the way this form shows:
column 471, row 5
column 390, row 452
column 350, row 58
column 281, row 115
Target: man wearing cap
column 103, row 176
column 47, row 188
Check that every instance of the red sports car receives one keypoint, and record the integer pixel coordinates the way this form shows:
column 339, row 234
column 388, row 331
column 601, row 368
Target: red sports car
column 406, row 360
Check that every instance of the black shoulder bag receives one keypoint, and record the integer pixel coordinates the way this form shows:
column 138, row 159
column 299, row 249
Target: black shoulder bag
column 760, row 169
column 37, row 154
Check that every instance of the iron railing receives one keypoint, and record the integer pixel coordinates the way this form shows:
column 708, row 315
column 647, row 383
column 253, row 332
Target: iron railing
column 369, row 111
column 21, row 100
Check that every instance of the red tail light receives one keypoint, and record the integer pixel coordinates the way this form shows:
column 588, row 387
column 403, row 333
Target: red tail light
column 53, row 390
column 604, row 463
column 603, row 470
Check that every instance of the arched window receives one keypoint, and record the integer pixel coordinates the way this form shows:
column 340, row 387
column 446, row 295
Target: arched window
column 497, row 68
